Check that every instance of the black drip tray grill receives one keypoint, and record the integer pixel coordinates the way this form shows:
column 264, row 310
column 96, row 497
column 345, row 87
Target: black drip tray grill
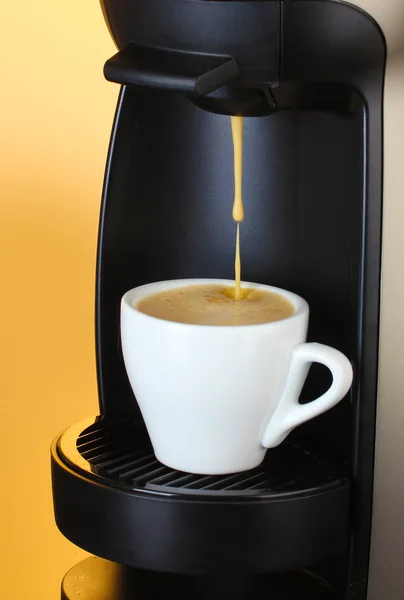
column 122, row 454
column 113, row 498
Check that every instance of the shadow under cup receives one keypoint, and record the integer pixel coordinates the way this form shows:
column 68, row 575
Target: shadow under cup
column 214, row 398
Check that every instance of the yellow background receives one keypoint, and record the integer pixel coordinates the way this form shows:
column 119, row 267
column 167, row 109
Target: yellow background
column 56, row 111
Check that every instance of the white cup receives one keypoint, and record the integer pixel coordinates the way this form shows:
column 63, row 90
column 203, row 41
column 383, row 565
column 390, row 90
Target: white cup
column 214, row 398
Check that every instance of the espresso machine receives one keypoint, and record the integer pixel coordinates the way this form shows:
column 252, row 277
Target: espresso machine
column 308, row 75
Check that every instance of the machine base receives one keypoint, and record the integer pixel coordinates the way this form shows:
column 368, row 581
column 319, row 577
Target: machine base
column 99, row 579
column 115, row 500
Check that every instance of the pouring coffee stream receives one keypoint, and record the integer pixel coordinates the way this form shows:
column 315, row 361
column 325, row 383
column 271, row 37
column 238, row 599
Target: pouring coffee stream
column 238, row 209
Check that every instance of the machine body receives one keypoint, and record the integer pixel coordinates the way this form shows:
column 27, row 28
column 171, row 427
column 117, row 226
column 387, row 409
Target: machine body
column 308, row 75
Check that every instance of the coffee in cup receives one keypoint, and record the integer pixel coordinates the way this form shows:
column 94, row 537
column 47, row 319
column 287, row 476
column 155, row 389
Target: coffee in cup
column 213, row 304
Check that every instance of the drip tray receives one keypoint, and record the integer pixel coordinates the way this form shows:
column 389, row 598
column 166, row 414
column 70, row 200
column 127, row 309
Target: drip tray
column 122, row 454
column 95, row 578
column 114, row 499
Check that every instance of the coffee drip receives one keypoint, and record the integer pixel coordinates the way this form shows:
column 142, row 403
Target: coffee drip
column 238, row 208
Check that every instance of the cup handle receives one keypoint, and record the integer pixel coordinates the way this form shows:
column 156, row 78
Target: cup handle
column 289, row 413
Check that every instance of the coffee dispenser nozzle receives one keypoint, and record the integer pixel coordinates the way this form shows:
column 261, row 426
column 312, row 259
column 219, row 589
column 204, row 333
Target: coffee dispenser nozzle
column 213, row 82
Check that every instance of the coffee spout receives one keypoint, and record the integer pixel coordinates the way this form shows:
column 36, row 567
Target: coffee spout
column 253, row 100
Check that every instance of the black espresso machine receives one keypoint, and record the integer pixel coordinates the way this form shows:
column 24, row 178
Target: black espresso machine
column 308, row 76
